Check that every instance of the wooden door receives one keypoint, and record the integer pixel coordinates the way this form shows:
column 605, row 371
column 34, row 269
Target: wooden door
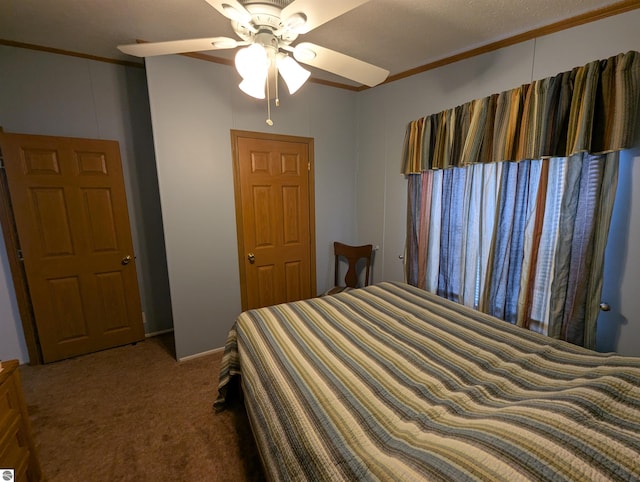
column 275, row 217
column 70, row 211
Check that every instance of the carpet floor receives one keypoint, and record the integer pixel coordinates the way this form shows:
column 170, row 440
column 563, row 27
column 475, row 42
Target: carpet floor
column 134, row 413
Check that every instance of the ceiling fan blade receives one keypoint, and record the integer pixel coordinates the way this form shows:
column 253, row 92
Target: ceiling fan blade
column 339, row 64
column 317, row 12
column 150, row 49
column 232, row 9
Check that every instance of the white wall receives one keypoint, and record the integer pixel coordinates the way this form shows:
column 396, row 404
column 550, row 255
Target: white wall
column 50, row 94
column 619, row 329
column 360, row 195
column 194, row 105
column 384, row 112
column 12, row 344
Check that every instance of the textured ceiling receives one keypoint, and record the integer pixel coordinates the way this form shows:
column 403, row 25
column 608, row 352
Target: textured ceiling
column 397, row 35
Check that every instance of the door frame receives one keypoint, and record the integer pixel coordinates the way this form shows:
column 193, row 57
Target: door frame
column 18, row 274
column 235, row 135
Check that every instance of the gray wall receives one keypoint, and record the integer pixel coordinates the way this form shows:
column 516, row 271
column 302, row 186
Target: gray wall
column 384, row 112
column 360, row 195
column 50, row 94
column 194, row 105
column 619, row 329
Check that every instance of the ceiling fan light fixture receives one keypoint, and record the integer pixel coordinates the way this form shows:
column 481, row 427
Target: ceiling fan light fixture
column 292, row 72
column 268, row 27
column 254, row 87
column 252, row 62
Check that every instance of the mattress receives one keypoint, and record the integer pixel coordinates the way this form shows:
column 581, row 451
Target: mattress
column 390, row 382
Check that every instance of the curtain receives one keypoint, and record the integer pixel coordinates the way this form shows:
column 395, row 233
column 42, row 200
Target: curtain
column 510, row 196
column 594, row 108
column 521, row 241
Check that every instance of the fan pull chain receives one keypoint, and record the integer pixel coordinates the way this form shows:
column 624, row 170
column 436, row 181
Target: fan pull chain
column 275, row 80
column 268, row 121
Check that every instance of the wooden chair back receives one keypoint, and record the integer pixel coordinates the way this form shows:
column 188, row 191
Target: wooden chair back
column 353, row 254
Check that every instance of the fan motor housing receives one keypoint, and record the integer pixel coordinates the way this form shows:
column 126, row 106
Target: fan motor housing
column 265, row 17
column 276, row 3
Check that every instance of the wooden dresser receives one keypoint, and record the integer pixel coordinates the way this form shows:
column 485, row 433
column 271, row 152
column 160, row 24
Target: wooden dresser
column 17, row 449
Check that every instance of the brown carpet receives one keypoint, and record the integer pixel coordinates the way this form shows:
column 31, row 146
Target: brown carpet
column 134, row 413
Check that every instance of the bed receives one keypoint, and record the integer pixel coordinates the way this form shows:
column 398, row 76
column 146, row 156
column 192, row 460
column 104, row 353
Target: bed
column 390, row 382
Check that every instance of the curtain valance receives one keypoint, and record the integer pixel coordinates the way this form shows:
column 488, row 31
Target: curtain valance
column 594, row 108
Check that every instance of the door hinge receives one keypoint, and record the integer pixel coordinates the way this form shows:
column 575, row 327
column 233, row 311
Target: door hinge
column 20, row 255
column 309, row 166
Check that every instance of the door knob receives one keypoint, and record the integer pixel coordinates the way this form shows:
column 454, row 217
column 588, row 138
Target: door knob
column 251, row 257
column 126, row 260
column 605, row 306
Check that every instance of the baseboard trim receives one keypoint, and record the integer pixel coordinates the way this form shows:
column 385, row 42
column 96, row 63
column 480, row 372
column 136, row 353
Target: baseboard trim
column 158, row 333
column 204, row 353
column 185, row 358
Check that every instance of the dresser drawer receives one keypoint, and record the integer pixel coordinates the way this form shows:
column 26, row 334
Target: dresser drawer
column 14, row 448
column 17, row 449
column 9, row 405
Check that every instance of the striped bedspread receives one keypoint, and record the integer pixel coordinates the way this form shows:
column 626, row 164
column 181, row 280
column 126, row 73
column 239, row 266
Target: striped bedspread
column 390, row 382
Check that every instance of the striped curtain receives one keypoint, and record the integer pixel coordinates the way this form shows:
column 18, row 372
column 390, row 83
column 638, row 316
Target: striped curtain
column 594, row 108
column 510, row 197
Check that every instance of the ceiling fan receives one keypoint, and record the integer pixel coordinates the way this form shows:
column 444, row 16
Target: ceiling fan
column 267, row 28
